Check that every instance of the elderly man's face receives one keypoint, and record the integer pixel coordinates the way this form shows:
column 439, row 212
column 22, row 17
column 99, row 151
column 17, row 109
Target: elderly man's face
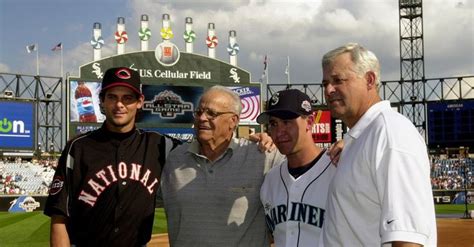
column 215, row 120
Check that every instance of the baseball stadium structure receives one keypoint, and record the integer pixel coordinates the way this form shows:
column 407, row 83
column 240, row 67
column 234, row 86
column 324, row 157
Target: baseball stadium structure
column 39, row 113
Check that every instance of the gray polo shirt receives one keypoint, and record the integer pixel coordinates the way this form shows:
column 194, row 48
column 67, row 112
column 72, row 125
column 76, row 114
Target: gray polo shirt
column 216, row 203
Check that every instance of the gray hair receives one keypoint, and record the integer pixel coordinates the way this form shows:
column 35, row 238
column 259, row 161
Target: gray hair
column 236, row 104
column 363, row 59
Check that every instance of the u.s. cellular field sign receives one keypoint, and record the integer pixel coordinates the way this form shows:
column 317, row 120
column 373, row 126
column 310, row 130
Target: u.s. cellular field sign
column 172, row 87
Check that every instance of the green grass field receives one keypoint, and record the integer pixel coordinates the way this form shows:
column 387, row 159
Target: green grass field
column 452, row 208
column 32, row 229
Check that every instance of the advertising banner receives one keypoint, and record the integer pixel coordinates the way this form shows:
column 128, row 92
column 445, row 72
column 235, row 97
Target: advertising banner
column 23, row 204
column 169, row 104
column 17, row 125
column 321, row 128
column 250, row 99
column 84, row 98
column 452, row 197
column 188, row 69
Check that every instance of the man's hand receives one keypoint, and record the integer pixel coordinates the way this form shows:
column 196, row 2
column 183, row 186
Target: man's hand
column 265, row 142
column 335, row 151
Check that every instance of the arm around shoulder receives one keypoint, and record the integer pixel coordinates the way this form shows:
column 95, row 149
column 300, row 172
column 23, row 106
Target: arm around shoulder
column 59, row 236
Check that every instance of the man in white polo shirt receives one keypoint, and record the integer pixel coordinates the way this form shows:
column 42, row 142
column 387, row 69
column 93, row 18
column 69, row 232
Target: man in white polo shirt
column 381, row 192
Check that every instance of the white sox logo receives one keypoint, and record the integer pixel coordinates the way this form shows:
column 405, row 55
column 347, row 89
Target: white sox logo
column 234, row 75
column 111, row 174
column 97, row 71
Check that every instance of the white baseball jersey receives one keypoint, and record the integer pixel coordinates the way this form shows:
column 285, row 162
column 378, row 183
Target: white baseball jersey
column 295, row 208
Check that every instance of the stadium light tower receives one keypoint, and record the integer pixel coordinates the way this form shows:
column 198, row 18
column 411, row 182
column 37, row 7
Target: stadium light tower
column 412, row 66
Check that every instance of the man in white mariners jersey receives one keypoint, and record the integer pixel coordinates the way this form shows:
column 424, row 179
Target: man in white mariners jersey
column 294, row 193
column 381, row 193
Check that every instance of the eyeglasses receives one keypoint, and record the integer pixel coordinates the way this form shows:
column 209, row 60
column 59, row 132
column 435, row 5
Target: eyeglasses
column 210, row 114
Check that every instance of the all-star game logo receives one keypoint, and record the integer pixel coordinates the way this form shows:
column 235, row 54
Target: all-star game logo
column 168, row 105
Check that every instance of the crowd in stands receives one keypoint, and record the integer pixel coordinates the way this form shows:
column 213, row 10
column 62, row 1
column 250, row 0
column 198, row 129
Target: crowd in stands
column 448, row 173
column 20, row 177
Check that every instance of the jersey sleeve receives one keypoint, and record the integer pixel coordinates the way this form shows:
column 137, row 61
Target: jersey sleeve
column 59, row 191
column 272, row 159
column 170, row 144
column 407, row 203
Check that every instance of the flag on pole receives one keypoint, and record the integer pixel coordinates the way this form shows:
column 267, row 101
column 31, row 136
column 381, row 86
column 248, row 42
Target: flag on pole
column 264, row 69
column 265, row 64
column 57, row 47
column 31, row 48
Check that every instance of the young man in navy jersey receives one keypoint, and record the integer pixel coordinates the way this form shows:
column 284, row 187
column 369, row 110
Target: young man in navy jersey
column 294, row 193
column 104, row 189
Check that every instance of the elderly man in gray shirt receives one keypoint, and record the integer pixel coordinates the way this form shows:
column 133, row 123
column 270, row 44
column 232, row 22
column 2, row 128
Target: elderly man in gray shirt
column 211, row 186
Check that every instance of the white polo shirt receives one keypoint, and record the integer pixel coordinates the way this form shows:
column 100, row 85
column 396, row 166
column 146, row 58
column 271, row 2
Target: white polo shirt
column 381, row 191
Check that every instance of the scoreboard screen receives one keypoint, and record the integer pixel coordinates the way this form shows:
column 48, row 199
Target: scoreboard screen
column 450, row 123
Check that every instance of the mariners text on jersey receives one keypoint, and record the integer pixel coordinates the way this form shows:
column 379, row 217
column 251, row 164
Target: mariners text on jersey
column 300, row 212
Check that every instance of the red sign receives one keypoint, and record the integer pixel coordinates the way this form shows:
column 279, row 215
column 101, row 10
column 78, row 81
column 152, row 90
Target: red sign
column 167, row 51
column 321, row 128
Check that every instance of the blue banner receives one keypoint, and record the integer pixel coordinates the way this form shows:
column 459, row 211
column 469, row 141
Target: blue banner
column 17, row 129
column 23, row 204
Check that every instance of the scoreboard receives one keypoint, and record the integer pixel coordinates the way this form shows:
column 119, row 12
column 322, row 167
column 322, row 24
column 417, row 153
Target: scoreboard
column 450, row 123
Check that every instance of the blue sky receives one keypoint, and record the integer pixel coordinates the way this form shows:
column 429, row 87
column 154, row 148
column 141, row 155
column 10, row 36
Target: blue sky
column 301, row 29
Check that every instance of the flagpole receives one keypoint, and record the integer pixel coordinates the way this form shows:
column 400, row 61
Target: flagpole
column 62, row 65
column 266, row 72
column 37, row 59
column 288, row 69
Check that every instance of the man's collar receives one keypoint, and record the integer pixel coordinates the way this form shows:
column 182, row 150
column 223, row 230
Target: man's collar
column 195, row 146
column 367, row 118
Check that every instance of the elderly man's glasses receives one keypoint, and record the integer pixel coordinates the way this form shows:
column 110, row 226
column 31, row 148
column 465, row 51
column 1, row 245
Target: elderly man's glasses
column 210, row 114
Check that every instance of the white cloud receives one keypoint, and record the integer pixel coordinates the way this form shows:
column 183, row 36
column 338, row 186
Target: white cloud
column 4, row 68
column 301, row 29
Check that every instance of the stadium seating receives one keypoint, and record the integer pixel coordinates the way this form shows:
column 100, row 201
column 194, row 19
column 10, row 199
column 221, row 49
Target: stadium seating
column 20, row 177
column 448, row 174
column 25, row 178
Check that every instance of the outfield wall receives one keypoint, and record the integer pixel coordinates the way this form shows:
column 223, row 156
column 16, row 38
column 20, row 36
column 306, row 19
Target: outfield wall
column 452, row 196
column 16, row 203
